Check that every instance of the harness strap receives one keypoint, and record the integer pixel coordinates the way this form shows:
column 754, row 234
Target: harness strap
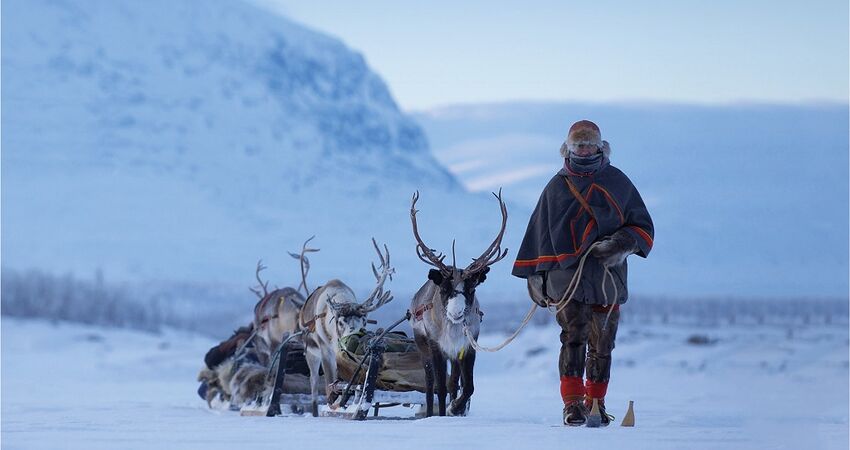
column 261, row 305
column 421, row 310
column 310, row 325
column 579, row 197
column 266, row 319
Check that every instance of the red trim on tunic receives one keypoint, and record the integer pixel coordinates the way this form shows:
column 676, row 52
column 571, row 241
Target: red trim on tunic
column 646, row 237
column 610, row 200
column 540, row 259
column 587, row 229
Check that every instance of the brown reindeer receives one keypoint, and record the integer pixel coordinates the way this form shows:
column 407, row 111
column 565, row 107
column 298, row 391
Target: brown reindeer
column 440, row 310
column 276, row 314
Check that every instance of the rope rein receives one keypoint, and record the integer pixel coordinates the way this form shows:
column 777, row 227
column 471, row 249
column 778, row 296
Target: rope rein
column 510, row 338
column 553, row 307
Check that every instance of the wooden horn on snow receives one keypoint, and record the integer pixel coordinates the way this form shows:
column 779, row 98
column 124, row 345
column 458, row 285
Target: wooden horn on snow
column 629, row 418
column 594, row 419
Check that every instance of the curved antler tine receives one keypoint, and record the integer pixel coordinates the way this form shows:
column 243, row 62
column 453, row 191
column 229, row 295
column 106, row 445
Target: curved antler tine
column 265, row 286
column 331, row 302
column 309, row 250
column 425, row 253
column 454, row 259
column 377, row 249
column 391, row 271
column 387, row 249
column 378, row 297
column 494, row 253
column 382, row 300
column 305, row 263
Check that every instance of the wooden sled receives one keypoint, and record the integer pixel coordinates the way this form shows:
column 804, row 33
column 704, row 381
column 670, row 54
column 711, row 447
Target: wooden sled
column 379, row 378
column 290, row 387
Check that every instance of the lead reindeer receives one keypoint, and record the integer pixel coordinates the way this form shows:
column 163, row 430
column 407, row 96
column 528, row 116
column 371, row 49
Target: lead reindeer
column 442, row 307
column 332, row 312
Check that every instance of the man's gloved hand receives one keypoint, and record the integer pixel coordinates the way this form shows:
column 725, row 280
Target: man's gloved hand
column 536, row 289
column 614, row 249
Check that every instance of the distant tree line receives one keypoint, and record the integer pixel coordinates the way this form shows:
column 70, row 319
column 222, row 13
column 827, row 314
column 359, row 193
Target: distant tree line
column 216, row 310
column 149, row 307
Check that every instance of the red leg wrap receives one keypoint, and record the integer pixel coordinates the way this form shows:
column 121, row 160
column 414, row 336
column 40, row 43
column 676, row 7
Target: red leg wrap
column 572, row 388
column 596, row 390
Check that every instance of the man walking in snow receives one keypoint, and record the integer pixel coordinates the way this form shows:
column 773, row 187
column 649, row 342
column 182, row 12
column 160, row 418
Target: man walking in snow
column 589, row 205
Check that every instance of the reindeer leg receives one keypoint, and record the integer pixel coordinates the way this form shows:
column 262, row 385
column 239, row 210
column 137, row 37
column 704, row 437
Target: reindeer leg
column 329, row 365
column 440, row 376
column 427, row 365
column 459, row 406
column 453, row 380
column 314, row 360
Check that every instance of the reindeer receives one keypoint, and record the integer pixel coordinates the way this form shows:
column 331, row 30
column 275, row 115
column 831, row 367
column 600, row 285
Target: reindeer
column 332, row 312
column 232, row 376
column 440, row 310
column 276, row 314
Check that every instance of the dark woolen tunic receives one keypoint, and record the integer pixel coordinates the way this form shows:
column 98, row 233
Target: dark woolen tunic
column 561, row 230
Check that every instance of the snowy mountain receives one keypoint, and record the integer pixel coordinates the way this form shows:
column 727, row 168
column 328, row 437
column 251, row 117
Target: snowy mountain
column 184, row 140
column 748, row 200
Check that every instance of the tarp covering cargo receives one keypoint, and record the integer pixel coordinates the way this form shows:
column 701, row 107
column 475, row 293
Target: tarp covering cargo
column 401, row 370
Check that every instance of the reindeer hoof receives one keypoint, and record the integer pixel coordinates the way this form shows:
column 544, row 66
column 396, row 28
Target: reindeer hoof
column 458, row 409
column 315, row 409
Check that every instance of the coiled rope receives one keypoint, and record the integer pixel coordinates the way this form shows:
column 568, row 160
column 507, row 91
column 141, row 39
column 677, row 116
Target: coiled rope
column 553, row 307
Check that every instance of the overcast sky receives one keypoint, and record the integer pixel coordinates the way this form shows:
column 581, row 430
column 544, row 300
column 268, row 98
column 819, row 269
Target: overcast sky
column 443, row 52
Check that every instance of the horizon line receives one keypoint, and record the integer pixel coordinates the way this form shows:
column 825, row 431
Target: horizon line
column 810, row 103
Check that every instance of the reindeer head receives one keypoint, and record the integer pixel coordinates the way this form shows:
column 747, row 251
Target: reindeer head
column 457, row 286
column 457, row 293
column 350, row 316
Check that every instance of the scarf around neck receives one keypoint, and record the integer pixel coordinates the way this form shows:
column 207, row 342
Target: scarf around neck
column 585, row 164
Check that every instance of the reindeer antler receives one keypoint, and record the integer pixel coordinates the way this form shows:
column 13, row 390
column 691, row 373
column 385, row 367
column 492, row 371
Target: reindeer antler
column 425, row 253
column 305, row 263
column 378, row 297
column 494, row 252
column 334, row 305
column 265, row 286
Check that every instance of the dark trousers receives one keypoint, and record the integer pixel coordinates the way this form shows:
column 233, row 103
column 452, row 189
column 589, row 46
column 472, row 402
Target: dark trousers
column 584, row 343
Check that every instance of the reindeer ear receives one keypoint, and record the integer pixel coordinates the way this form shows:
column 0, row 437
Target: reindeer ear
column 483, row 275
column 436, row 276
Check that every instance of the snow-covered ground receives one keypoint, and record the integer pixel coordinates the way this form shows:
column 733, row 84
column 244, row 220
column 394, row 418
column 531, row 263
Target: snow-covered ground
column 70, row 386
